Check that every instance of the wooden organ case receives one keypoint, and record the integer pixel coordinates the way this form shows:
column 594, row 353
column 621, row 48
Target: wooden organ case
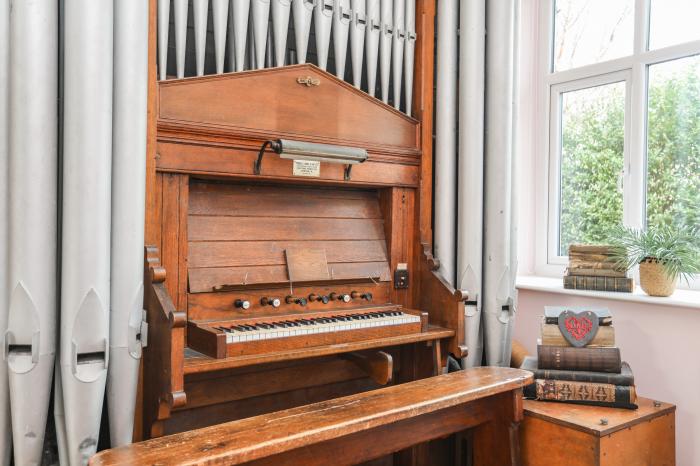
column 269, row 291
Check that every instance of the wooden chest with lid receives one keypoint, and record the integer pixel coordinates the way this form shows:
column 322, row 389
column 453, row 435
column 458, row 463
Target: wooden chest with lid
column 574, row 435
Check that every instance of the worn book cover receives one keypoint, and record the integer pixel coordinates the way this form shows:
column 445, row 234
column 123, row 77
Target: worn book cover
column 581, row 282
column 596, row 272
column 595, row 394
column 589, row 249
column 551, row 313
column 579, row 359
column 624, row 378
column 551, row 336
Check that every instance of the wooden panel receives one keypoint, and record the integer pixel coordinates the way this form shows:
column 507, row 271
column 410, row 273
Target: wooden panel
column 541, row 443
column 214, row 279
column 239, row 234
column 214, row 390
column 221, row 161
column 270, row 101
column 209, row 228
column 652, row 442
column 281, row 201
column 218, row 306
column 233, row 254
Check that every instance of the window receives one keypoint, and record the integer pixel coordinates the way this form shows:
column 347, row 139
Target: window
column 620, row 128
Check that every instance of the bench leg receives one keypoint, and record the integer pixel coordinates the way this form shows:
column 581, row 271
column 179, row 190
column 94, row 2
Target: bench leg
column 497, row 442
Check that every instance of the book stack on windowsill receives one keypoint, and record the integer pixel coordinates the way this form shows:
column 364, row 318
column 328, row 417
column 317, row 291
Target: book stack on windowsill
column 577, row 361
column 591, row 267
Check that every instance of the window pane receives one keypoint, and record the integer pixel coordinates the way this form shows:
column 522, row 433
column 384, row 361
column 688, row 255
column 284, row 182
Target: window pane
column 673, row 143
column 590, row 31
column 592, row 154
column 673, row 22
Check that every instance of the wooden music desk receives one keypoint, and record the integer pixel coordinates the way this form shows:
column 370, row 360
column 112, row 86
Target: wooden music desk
column 356, row 428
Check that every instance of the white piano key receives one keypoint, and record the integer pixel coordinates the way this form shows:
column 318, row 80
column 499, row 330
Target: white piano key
column 303, row 12
column 358, row 26
column 323, row 21
column 409, row 53
column 201, row 12
column 397, row 49
column 163, row 27
column 181, row 7
column 385, row 44
column 342, row 17
column 261, row 16
column 280, row 26
column 372, row 33
column 238, row 33
column 220, row 17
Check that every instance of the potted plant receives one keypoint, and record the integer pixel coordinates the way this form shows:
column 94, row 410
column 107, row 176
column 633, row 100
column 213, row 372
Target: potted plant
column 663, row 253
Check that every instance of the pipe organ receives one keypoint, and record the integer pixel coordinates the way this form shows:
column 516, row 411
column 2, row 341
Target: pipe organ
column 377, row 35
column 271, row 281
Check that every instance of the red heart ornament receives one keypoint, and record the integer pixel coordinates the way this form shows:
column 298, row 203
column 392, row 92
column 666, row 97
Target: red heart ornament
column 578, row 329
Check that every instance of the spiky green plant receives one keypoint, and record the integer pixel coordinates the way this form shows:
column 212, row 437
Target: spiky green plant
column 676, row 248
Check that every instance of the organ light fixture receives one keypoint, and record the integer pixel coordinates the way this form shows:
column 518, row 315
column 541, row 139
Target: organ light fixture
column 300, row 150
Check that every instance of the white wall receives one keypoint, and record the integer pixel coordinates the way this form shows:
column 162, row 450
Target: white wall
column 661, row 344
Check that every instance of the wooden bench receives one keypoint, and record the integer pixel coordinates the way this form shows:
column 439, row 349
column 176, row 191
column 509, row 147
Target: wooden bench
column 356, row 428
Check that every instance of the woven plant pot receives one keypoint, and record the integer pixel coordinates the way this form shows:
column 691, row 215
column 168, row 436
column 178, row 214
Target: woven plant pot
column 654, row 280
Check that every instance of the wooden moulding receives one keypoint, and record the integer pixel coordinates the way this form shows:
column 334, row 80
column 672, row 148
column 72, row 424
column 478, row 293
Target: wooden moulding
column 378, row 365
column 444, row 304
column 165, row 354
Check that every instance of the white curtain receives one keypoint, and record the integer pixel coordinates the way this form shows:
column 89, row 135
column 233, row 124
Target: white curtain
column 78, row 170
column 475, row 223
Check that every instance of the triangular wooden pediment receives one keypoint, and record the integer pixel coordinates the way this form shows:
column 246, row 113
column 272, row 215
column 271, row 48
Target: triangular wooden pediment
column 299, row 101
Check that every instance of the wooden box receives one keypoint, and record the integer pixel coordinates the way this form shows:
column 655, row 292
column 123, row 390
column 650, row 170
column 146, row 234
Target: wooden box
column 574, row 435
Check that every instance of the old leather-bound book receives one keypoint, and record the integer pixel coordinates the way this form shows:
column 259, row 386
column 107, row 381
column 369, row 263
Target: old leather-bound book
column 579, row 359
column 552, row 336
column 624, row 378
column 594, row 394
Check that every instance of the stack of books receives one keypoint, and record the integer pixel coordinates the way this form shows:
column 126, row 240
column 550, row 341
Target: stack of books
column 578, row 364
column 592, row 268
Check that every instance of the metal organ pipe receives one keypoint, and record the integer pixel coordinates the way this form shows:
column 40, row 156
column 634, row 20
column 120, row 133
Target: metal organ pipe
column 87, row 162
column 163, row 26
column 128, row 211
column 373, row 31
column 238, row 33
column 342, row 17
column 33, row 210
column 499, row 276
column 201, row 13
column 323, row 21
column 385, row 44
column 261, row 16
column 181, row 7
column 470, row 192
column 5, row 427
column 280, row 27
column 303, row 12
column 397, row 48
column 220, row 15
column 358, row 26
column 409, row 53
column 446, row 137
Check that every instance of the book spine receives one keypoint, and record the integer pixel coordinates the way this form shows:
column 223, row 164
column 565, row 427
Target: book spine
column 586, row 264
column 589, row 249
column 583, row 376
column 551, row 336
column 594, row 394
column 596, row 272
column 619, row 284
column 579, row 359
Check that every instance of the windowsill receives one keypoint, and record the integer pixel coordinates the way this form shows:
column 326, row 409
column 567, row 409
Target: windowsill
column 681, row 298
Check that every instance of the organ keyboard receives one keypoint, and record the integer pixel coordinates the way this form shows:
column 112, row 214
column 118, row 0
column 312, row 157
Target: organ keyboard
column 289, row 331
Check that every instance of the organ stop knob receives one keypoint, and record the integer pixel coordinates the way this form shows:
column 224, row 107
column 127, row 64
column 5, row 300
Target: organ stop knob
column 274, row 302
column 344, row 297
column 294, row 300
column 242, row 304
column 320, row 298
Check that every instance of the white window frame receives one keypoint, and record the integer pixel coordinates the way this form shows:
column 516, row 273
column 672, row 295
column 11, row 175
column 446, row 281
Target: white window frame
column 633, row 70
